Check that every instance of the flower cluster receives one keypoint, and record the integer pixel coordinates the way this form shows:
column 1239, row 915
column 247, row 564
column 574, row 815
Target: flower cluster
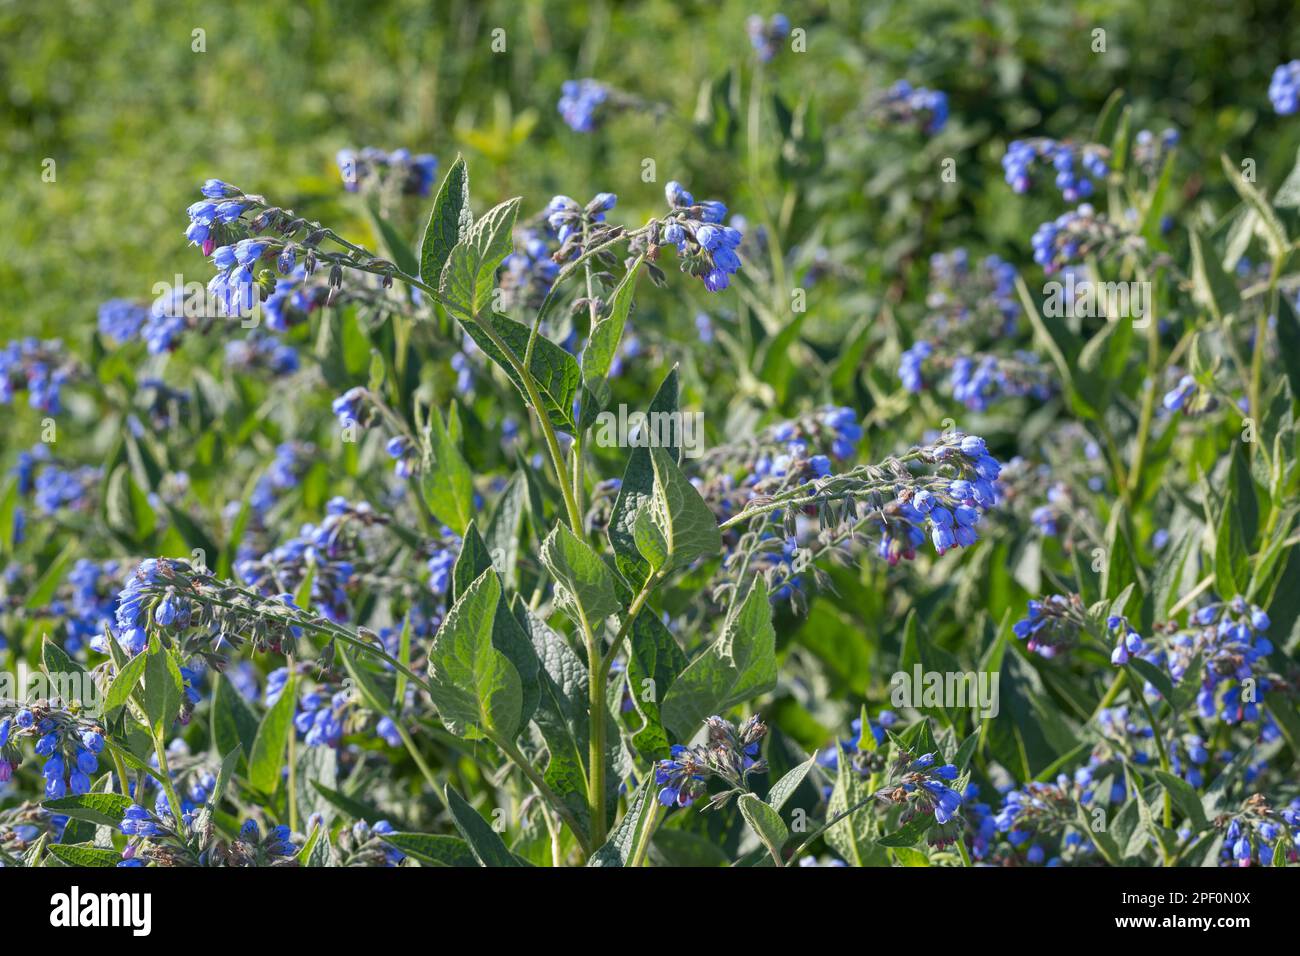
column 707, row 247
column 261, row 353
column 69, row 744
column 1230, row 639
column 767, row 36
column 582, row 104
column 905, row 105
column 1254, row 835
column 1052, row 624
column 1080, row 233
column 1284, row 88
column 729, row 754
column 1078, row 167
column 921, row 786
column 40, row 368
column 326, row 553
column 977, row 380
column 371, row 167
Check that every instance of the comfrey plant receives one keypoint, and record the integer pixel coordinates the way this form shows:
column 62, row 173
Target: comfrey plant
column 917, row 556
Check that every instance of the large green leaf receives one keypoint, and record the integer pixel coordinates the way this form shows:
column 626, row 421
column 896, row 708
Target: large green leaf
column 102, row 809
column 469, row 274
column 266, row 761
column 449, row 223
column 487, row 847
column 474, row 685
column 164, row 688
column 766, row 823
column 636, row 492
column 554, row 370
column 677, row 527
column 584, row 586
column 448, row 482
column 738, row 666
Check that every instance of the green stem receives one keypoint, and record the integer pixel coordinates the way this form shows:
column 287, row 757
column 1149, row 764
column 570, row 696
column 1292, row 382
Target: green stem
column 596, row 678
column 169, row 788
column 293, row 764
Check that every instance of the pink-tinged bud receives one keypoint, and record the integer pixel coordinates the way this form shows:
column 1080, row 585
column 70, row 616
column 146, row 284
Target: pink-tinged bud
column 208, row 245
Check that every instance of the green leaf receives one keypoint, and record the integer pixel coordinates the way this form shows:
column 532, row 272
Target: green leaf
column 654, row 662
column 57, row 664
column 622, row 842
column 851, row 837
column 606, row 334
column 267, row 757
column 433, row 849
column 234, row 725
column 784, row 788
column 1185, row 798
column 82, row 854
column 554, row 370
column 636, row 492
column 1288, row 334
column 448, row 482
column 1213, row 288
column 1273, row 231
column 487, row 847
column 678, row 527
column 910, row 833
column 164, row 689
column 584, row 586
column 102, row 809
column 449, row 224
column 469, row 275
column 766, row 823
column 48, row 583
column 119, row 691
column 738, row 666
column 475, row 686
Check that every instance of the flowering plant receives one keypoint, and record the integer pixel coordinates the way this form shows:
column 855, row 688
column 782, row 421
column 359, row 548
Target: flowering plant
column 965, row 553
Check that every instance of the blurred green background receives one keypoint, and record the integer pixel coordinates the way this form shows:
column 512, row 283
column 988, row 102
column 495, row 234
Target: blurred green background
column 135, row 118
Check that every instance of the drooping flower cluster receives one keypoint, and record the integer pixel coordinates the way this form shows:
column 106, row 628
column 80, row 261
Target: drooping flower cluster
column 767, row 36
column 1230, row 639
column 529, row 272
column 706, row 247
column 69, row 744
column 412, row 175
column 326, row 552
column 39, row 368
column 569, row 220
column 1284, row 88
column 905, row 105
column 1079, row 233
column 920, row 784
column 1254, row 835
column 261, row 354
column 1052, row 624
column 1080, row 168
column 971, row 310
column 980, row 379
column 730, row 755
column 583, row 104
